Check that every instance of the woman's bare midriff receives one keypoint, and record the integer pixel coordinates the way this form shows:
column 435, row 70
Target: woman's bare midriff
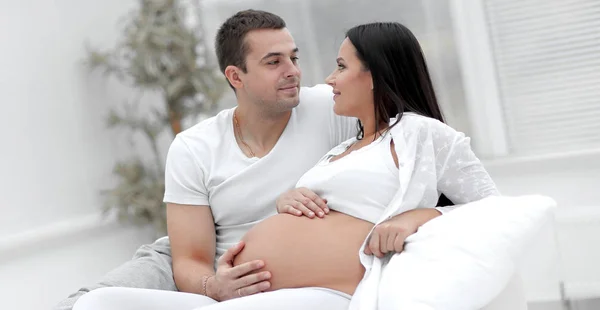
column 305, row 252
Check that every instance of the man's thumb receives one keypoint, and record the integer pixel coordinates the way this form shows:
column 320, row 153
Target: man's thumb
column 230, row 254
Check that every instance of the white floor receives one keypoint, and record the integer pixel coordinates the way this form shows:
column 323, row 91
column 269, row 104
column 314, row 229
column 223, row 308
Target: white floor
column 590, row 304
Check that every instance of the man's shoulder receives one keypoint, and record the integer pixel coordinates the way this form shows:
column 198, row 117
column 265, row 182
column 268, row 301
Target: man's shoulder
column 215, row 123
column 208, row 131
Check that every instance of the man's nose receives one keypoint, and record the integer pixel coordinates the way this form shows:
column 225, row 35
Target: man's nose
column 293, row 71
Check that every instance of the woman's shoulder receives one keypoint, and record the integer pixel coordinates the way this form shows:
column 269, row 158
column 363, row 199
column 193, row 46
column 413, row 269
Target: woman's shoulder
column 418, row 120
column 412, row 121
column 413, row 125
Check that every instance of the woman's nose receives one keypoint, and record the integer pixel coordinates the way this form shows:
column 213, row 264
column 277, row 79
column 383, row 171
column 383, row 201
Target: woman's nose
column 330, row 80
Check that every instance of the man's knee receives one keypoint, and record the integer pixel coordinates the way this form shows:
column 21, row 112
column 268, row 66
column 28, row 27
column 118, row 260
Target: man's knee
column 101, row 298
column 150, row 268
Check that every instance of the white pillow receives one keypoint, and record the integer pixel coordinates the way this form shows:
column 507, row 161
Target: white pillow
column 463, row 259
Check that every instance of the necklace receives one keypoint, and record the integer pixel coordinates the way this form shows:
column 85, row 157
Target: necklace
column 239, row 132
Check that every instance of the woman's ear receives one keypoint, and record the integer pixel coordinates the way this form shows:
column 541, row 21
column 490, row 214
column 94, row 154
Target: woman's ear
column 232, row 73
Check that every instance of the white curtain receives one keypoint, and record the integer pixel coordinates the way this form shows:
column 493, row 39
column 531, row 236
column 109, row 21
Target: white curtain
column 547, row 59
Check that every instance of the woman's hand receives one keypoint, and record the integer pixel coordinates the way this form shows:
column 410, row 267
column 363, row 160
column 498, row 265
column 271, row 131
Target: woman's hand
column 302, row 201
column 389, row 236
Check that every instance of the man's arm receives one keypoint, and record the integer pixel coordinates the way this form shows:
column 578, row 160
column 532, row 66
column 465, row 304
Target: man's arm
column 192, row 233
column 191, row 229
column 193, row 242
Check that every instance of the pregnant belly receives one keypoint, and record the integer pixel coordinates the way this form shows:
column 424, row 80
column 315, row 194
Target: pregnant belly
column 304, row 252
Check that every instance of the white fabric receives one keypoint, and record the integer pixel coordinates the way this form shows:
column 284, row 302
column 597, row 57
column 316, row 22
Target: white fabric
column 463, row 260
column 125, row 298
column 120, row 298
column 512, row 296
column 205, row 166
column 433, row 159
column 360, row 184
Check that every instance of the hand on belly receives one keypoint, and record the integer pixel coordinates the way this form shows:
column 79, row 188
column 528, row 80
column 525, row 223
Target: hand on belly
column 303, row 252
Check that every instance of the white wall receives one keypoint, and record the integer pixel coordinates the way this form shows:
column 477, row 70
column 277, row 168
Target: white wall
column 55, row 153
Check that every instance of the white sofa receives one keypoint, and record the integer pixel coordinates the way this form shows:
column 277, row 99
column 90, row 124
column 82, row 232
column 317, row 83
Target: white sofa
column 511, row 298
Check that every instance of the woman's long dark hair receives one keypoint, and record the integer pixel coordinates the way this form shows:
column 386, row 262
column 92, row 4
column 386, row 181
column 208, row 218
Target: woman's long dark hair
column 401, row 81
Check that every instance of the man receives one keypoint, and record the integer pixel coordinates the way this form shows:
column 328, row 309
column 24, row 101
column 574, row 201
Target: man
column 224, row 174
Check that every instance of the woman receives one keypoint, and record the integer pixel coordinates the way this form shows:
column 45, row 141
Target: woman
column 391, row 169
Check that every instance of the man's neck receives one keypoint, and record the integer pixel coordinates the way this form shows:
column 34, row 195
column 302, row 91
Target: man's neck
column 259, row 130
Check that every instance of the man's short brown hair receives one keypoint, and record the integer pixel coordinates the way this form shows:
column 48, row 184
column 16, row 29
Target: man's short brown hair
column 230, row 43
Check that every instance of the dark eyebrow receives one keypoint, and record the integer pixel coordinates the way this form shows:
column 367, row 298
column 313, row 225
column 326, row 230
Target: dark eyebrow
column 339, row 59
column 278, row 54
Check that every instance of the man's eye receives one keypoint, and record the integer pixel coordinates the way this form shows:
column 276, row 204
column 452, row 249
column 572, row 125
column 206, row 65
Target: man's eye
column 274, row 62
column 295, row 59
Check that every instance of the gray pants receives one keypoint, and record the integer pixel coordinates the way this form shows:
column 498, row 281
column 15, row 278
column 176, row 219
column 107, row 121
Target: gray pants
column 150, row 268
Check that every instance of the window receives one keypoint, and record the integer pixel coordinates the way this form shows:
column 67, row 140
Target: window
column 544, row 82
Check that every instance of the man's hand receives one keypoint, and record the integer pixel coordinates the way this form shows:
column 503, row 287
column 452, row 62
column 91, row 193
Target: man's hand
column 232, row 282
column 302, row 201
column 389, row 236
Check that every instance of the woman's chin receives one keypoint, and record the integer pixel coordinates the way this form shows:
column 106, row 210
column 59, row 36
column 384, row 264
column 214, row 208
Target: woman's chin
column 338, row 110
column 342, row 112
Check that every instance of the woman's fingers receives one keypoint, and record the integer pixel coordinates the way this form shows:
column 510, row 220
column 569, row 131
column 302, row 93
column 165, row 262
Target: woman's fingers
column 291, row 210
column 302, row 208
column 374, row 244
column 318, row 201
column 314, row 208
column 389, row 243
column 399, row 243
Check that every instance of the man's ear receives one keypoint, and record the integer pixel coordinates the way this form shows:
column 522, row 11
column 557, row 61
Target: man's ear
column 232, row 73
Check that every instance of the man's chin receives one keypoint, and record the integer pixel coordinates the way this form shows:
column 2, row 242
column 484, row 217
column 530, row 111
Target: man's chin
column 289, row 103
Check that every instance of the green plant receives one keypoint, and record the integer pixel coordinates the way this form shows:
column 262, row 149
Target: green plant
column 157, row 53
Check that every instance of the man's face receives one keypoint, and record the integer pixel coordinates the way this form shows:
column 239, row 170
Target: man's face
column 272, row 78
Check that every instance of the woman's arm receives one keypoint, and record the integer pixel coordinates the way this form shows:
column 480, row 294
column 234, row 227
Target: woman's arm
column 389, row 236
column 460, row 174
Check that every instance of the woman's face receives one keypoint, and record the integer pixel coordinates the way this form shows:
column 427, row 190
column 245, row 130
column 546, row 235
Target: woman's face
column 352, row 84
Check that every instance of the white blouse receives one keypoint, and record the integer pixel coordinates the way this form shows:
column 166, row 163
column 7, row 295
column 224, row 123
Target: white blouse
column 433, row 158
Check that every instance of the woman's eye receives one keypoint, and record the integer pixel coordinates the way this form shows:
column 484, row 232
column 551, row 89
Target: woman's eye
column 340, row 66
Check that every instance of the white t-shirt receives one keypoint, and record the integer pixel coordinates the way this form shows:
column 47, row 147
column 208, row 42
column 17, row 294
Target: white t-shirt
column 206, row 167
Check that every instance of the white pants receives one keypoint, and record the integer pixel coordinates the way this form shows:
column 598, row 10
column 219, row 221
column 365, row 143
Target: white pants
column 120, row 298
